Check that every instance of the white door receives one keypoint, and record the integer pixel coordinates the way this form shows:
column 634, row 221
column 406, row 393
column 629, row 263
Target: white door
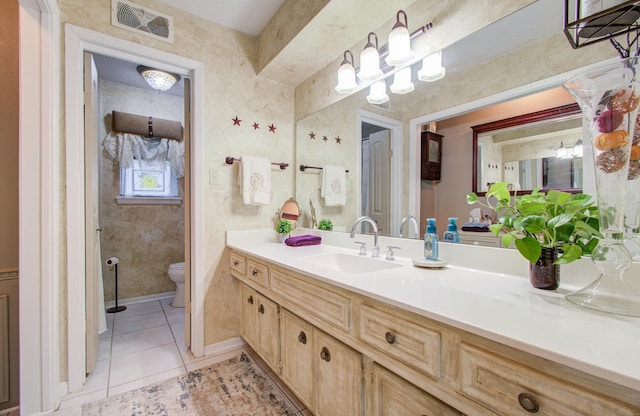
column 93, row 267
column 379, row 155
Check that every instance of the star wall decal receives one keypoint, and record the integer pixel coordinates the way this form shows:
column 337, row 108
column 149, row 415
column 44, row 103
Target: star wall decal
column 236, row 121
column 272, row 128
column 256, row 126
column 312, row 136
column 325, row 138
column 338, row 140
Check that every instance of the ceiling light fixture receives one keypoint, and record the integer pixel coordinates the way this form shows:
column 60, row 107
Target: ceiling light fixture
column 432, row 69
column 400, row 52
column 347, row 75
column 157, row 79
column 378, row 93
column 370, row 60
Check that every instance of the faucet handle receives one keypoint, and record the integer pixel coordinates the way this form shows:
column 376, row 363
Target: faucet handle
column 390, row 254
column 363, row 248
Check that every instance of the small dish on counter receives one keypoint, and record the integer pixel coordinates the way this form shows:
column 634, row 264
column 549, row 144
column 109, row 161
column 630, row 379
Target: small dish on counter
column 430, row 264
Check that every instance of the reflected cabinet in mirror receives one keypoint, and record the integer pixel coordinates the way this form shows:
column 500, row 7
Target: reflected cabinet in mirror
column 530, row 151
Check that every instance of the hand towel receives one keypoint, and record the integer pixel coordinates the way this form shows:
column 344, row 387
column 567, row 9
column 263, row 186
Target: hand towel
column 303, row 240
column 334, row 186
column 254, row 177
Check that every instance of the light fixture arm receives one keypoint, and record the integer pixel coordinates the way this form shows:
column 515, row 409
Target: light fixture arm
column 398, row 22
column 346, row 58
column 369, row 43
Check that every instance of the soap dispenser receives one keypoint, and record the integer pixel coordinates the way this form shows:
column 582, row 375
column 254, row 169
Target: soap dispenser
column 431, row 240
column 451, row 235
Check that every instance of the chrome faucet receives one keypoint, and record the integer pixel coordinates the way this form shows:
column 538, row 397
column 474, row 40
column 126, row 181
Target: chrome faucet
column 411, row 219
column 375, row 251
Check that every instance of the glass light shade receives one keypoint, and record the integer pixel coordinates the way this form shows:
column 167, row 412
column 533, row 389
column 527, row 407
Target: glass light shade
column 158, row 80
column 562, row 152
column 578, row 149
column 402, row 81
column 346, row 79
column 432, row 69
column 378, row 93
column 400, row 51
column 370, row 60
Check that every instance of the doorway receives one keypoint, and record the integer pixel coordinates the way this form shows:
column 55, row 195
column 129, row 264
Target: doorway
column 77, row 41
column 380, row 171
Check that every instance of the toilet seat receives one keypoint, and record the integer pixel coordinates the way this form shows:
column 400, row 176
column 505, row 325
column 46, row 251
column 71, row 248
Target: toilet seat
column 177, row 266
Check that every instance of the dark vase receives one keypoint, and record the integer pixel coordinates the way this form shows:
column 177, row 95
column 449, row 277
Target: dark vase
column 544, row 274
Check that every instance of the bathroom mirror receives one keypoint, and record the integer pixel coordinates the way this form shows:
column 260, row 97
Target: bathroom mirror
column 536, row 150
column 290, row 211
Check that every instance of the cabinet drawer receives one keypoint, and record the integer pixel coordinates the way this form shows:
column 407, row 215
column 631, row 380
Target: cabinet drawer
column 257, row 272
column 508, row 387
column 413, row 344
column 320, row 302
column 392, row 395
column 238, row 263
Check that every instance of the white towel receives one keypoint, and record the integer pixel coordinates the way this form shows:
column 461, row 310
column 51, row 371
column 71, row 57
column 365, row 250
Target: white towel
column 334, row 186
column 254, row 178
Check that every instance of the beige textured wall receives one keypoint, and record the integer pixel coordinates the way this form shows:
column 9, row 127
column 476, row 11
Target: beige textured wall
column 146, row 238
column 9, row 135
column 231, row 88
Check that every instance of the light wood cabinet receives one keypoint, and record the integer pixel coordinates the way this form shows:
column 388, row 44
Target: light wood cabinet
column 260, row 326
column 338, row 377
column 296, row 356
column 391, row 395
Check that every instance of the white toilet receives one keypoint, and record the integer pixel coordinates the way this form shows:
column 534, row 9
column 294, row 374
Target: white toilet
column 176, row 274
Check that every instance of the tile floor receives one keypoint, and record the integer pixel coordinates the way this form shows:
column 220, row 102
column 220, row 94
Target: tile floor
column 144, row 345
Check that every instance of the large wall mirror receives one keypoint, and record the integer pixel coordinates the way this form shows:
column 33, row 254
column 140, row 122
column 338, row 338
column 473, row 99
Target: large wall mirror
column 542, row 149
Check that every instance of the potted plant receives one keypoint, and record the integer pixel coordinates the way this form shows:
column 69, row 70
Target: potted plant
column 325, row 224
column 283, row 228
column 541, row 225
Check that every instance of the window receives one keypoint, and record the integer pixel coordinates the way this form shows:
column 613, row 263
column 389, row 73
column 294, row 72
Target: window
column 148, row 180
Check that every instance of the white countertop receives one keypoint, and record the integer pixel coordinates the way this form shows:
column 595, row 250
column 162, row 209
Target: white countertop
column 484, row 291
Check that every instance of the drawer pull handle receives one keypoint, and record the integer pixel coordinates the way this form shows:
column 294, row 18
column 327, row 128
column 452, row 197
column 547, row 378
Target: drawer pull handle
column 250, row 300
column 261, row 309
column 390, row 337
column 302, row 337
column 325, row 354
column 528, row 402
column 254, row 272
column 236, row 262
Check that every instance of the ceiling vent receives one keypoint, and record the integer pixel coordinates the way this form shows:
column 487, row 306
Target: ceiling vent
column 142, row 20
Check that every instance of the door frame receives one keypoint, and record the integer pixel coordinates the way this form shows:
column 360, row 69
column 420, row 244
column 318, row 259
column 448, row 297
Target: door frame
column 77, row 41
column 395, row 165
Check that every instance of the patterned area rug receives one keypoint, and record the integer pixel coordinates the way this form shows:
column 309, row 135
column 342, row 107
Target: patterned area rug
column 234, row 387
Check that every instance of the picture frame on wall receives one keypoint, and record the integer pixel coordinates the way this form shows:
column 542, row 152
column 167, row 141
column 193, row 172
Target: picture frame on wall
column 431, row 156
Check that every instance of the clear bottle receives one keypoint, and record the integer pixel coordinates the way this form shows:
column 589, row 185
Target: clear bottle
column 431, row 240
column 451, row 235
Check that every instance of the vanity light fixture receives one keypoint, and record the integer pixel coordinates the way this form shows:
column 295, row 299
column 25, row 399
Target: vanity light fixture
column 378, row 93
column 578, row 149
column 402, row 81
column 157, row 79
column 432, row 69
column 347, row 75
column 562, row 152
column 400, row 51
column 370, row 60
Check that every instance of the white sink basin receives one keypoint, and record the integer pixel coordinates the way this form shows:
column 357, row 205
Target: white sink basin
column 350, row 263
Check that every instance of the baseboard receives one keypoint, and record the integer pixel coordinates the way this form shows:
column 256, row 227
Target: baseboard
column 140, row 299
column 223, row 347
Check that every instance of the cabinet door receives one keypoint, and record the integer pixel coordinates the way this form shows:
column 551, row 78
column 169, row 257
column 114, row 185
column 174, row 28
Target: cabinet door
column 248, row 319
column 296, row 336
column 392, row 395
column 338, row 377
column 268, row 331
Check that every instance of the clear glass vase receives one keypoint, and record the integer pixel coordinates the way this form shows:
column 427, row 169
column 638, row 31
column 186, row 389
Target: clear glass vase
column 608, row 97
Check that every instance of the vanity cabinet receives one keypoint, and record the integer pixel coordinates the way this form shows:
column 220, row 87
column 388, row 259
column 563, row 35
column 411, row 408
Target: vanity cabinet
column 259, row 325
column 392, row 395
column 296, row 356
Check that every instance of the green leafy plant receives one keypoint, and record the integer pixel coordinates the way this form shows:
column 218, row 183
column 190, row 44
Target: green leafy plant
column 325, row 224
column 283, row 227
column 558, row 219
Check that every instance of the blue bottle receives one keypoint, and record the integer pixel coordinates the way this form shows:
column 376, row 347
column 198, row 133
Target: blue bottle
column 451, row 235
column 431, row 240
